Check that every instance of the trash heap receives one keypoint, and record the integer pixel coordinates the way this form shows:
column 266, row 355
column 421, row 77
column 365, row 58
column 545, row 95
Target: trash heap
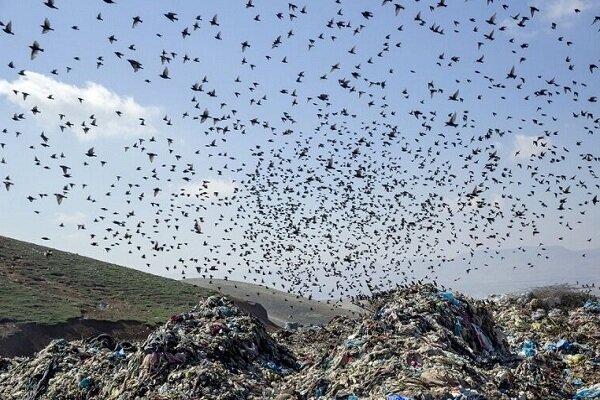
column 422, row 343
column 213, row 352
column 419, row 343
column 556, row 332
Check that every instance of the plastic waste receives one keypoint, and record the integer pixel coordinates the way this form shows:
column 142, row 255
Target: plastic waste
column 85, row 383
column 574, row 359
column 529, row 348
column 591, row 305
column 449, row 296
column 397, row 397
column 592, row 392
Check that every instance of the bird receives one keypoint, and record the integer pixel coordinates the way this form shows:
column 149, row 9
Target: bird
column 171, row 16
column 511, row 73
column 8, row 28
column 165, row 73
column 46, row 26
column 452, row 121
column 136, row 65
column 35, row 49
column 50, row 4
column 59, row 198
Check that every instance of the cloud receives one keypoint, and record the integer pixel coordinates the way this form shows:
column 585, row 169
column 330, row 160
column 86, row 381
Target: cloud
column 521, row 33
column 525, row 146
column 76, row 218
column 208, row 187
column 98, row 101
column 560, row 9
column 497, row 201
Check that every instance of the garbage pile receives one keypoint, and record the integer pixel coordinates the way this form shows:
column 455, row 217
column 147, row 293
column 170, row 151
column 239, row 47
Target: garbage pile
column 422, row 343
column 556, row 331
column 213, row 352
column 419, row 343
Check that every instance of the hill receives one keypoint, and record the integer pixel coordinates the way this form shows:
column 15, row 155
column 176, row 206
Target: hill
column 281, row 306
column 63, row 290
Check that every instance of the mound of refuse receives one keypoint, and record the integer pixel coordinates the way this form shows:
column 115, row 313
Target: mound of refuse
column 420, row 340
column 422, row 343
column 418, row 343
column 213, row 352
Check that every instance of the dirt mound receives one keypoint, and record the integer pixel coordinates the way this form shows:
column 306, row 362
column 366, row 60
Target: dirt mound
column 25, row 338
column 257, row 311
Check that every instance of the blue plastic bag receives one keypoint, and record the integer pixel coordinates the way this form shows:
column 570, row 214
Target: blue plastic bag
column 592, row 392
column 85, row 383
column 529, row 348
column 565, row 345
column 593, row 306
column 397, row 397
column 449, row 296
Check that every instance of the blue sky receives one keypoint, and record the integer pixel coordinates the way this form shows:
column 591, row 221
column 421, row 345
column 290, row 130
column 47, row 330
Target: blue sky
column 410, row 58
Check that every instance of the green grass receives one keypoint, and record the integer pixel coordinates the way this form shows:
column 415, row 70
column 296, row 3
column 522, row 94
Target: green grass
column 53, row 289
column 21, row 303
column 277, row 303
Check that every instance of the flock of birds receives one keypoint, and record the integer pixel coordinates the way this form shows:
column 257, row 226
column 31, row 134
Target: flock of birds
column 348, row 176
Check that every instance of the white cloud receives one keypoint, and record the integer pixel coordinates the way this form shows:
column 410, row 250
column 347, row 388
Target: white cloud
column 76, row 218
column 560, row 9
column 497, row 201
column 76, row 237
column 98, row 101
column 526, row 146
column 208, row 187
column 521, row 33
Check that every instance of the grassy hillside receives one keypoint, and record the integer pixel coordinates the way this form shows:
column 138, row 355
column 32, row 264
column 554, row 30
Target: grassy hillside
column 52, row 289
column 281, row 306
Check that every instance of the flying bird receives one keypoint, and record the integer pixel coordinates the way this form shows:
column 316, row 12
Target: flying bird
column 35, row 49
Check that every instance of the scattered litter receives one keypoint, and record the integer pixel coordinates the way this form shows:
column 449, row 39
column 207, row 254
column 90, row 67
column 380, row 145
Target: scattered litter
column 529, row 348
column 593, row 392
column 593, row 306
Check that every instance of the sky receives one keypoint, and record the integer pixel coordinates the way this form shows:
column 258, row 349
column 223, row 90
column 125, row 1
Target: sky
column 262, row 105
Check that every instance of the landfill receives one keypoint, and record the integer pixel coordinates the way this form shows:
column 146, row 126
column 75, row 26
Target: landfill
column 419, row 342
column 212, row 352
